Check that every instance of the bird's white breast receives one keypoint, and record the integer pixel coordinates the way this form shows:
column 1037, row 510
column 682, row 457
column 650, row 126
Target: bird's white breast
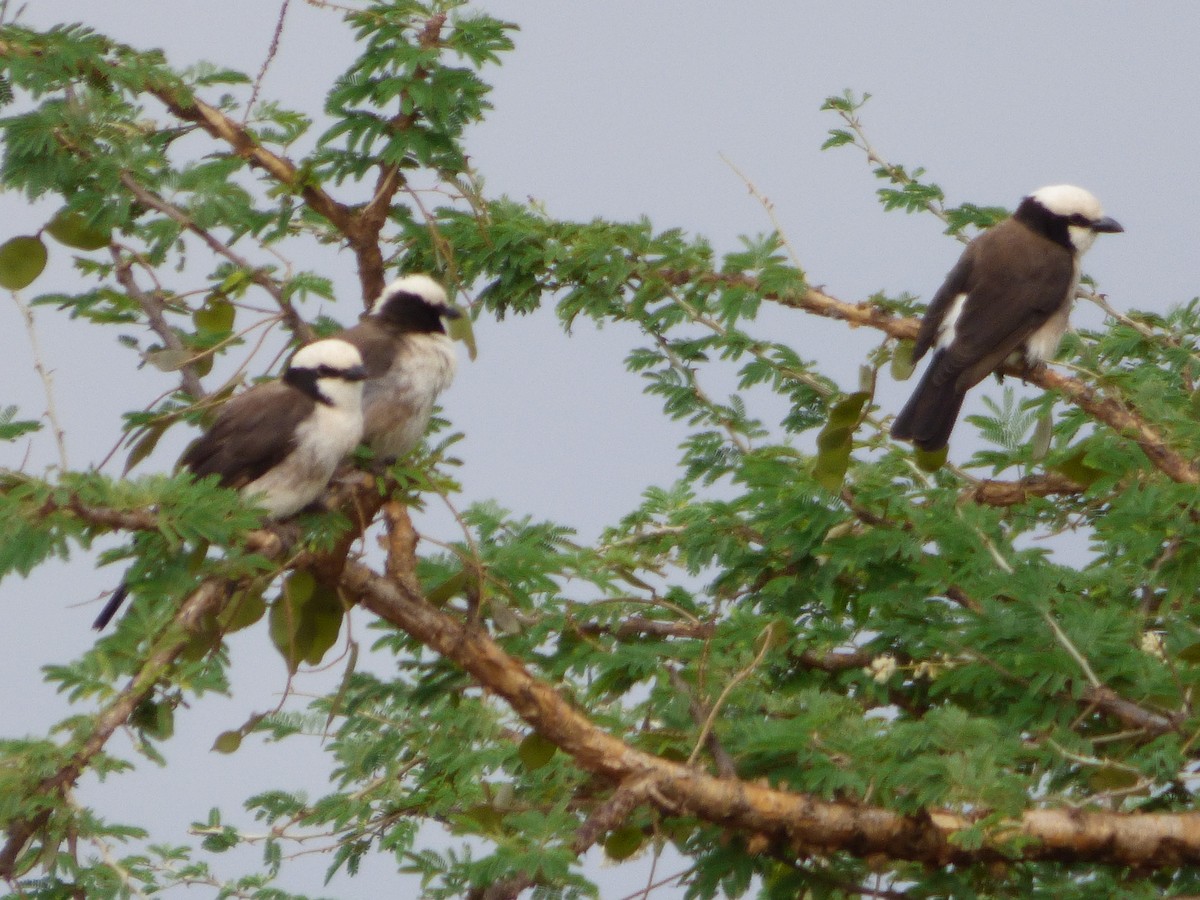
column 397, row 406
column 1042, row 345
column 323, row 440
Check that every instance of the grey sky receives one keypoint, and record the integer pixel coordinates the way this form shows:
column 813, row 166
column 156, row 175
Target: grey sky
column 621, row 109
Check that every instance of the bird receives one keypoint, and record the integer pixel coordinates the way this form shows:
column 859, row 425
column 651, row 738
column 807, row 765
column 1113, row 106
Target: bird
column 409, row 359
column 279, row 442
column 1007, row 299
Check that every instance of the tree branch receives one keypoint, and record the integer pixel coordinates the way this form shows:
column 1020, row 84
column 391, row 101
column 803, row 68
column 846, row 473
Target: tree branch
column 797, row 823
column 1012, row 493
column 152, row 306
column 1108, row 410
column 205, row 600
column 295, row 322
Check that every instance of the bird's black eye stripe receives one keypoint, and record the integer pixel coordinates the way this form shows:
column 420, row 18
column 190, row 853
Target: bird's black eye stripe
column 1080, row 219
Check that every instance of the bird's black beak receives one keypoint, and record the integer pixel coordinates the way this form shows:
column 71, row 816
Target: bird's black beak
column 453, row 312
column 355, row 373
column 1107, row 225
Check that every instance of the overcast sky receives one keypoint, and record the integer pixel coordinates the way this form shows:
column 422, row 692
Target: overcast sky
column 622, row 109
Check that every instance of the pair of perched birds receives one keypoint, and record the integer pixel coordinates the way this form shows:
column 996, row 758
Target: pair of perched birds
column 375, row 383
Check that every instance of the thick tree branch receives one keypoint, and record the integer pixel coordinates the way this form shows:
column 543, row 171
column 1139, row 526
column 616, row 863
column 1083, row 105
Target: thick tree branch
column 800, row 824
column 1108, row 410
column 1012, row 493
column 205, row 600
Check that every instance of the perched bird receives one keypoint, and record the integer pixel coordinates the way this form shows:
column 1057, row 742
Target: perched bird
column 279, row 442
column 1010, row 294
column 409, row 360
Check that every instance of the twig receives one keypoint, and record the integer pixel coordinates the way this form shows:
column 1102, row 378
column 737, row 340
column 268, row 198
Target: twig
column 663, row 882
column 726, row 767
column 1061, row 637
column 737, row 679
column 154, row 309
column 271, row 51
column 295, row 322
column 47, row 377
column 768, row 206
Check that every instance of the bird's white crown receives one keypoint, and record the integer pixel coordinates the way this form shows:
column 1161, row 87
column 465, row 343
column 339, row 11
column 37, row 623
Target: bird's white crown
column 330, row 352
column 1068, row 200
column 421, row 285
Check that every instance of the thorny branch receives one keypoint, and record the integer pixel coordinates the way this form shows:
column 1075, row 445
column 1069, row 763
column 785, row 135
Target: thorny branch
column 152, row 306
column 295, row 322
column 47, row 377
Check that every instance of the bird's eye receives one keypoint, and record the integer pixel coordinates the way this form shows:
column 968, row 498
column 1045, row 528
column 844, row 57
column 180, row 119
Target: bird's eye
column 1080, row 219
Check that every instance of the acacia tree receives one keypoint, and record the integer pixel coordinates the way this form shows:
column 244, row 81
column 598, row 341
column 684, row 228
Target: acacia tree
column 835, row 670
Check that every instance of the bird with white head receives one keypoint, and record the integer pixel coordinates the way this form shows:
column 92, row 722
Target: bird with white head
column 1009, row 294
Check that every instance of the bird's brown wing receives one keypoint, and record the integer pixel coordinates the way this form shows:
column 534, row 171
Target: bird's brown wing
column 1000, row 313
column 253, row 433
column 956, row 283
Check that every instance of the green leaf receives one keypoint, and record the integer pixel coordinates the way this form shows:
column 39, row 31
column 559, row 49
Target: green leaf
column 831, row 465
column 73, row 230
column 902, row 365
column 836, row 440
column 1042, row 435
column 1077, row 470
column 931, row 460
column 535, row 751
column 847, row 411
column 12, row 428
column 462, row 329
column 505, row 620
column 1189, row 654
column 244, row 609
column 449, row 589
column 215, row 316
column 487, row 818
column 22, row 259
column 325, row 614
column 227, row 742
column 624, row 843
column 154, row 718
column 1112, row 778
column 144, row 446
column 169, row 360
column 305, row 619
column 286, row 621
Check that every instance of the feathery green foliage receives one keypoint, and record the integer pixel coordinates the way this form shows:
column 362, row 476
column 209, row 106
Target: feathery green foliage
column 834, row 619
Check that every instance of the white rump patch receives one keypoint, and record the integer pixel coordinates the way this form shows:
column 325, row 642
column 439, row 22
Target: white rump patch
column 946, row 330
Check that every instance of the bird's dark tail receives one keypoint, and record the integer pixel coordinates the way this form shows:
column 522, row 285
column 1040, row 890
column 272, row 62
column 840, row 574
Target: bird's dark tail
column 930, row 413
column 111, row 607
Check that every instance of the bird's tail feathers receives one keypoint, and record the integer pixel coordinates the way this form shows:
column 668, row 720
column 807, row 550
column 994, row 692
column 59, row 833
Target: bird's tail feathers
column 111, row 607
column 930, row 413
